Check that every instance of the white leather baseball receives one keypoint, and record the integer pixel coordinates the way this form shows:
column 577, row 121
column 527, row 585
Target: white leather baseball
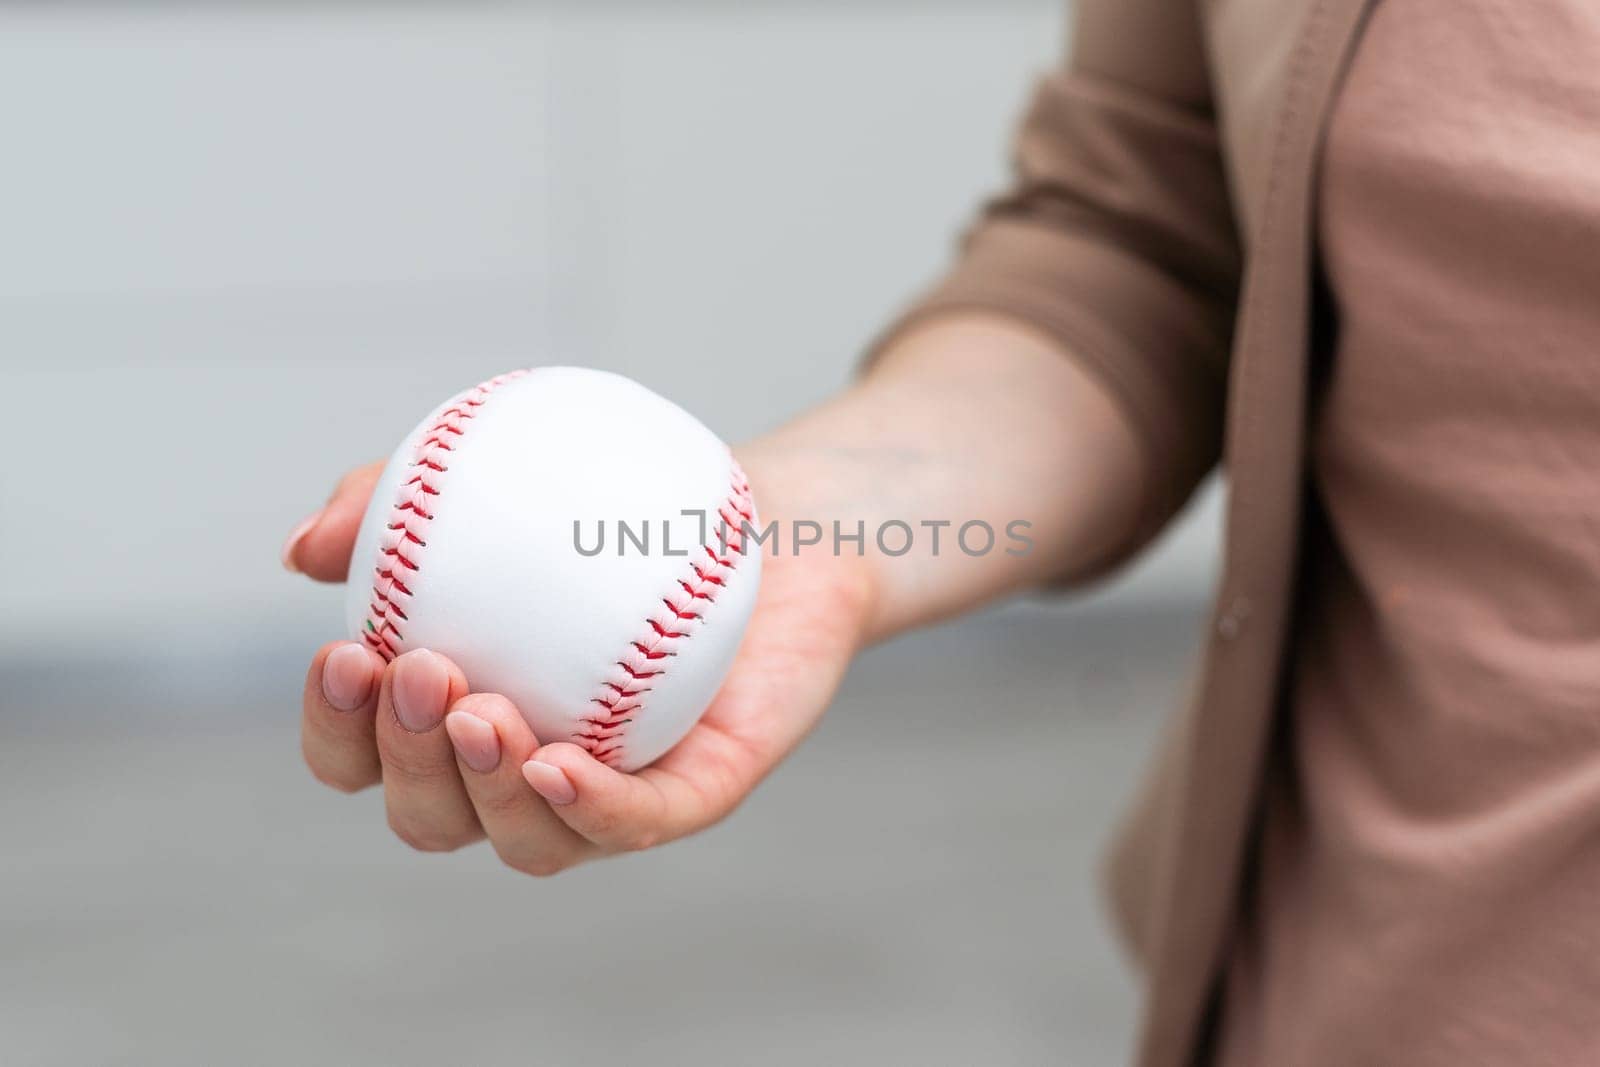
column 468, row 549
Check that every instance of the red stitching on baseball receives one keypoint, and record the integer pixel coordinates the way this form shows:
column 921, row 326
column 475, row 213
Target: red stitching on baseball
column 409, row 519
column 620, row 696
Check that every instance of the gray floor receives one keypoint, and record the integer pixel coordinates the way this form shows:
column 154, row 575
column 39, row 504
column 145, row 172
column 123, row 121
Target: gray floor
column 915, row 886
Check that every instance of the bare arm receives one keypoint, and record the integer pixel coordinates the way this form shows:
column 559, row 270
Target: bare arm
column 1086, row 401
column 967, row 417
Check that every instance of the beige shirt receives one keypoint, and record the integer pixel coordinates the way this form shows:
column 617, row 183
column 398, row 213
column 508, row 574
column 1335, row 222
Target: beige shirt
column 1429, row 886
column 1163, row 229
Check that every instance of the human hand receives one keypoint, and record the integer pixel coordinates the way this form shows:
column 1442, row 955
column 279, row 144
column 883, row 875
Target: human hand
column 458, row 766
column 965, row 417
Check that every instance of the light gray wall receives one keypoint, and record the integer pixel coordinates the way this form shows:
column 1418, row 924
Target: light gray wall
column 242, row 249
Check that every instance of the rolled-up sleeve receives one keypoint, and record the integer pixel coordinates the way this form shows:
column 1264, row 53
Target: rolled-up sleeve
column 1117, row 240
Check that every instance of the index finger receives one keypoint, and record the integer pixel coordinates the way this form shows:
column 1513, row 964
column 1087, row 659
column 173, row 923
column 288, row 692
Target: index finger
column 320, row 546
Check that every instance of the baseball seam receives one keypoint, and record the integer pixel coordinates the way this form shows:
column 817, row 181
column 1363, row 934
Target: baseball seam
column 405, row 535
column 622, row 694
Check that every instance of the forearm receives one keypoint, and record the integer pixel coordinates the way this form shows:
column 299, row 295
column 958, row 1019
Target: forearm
column 966, row 418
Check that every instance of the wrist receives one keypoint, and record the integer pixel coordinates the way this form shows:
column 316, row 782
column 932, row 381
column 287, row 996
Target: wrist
column 793, row 485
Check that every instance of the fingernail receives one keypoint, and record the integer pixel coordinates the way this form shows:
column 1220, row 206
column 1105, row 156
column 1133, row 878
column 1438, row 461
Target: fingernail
column 347, row 677
column 550, row 782
column 297, row 535
column 475, row 740
column 419, row 690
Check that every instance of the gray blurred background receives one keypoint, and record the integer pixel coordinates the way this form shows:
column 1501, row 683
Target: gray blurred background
column 241, row 249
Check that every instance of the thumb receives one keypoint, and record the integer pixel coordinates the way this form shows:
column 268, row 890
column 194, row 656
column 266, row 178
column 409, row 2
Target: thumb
column 619, row 812
column 320, row 546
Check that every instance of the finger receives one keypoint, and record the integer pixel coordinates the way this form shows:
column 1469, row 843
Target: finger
column 619, row 812
column 320, row 545
column 336, row 721
column 491, row 742
column 427, row 804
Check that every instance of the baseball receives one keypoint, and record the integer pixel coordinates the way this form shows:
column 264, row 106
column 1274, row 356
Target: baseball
column 480, row 543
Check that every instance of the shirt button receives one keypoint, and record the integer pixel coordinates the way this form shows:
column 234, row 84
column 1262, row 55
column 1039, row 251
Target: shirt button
column 1231, row 622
